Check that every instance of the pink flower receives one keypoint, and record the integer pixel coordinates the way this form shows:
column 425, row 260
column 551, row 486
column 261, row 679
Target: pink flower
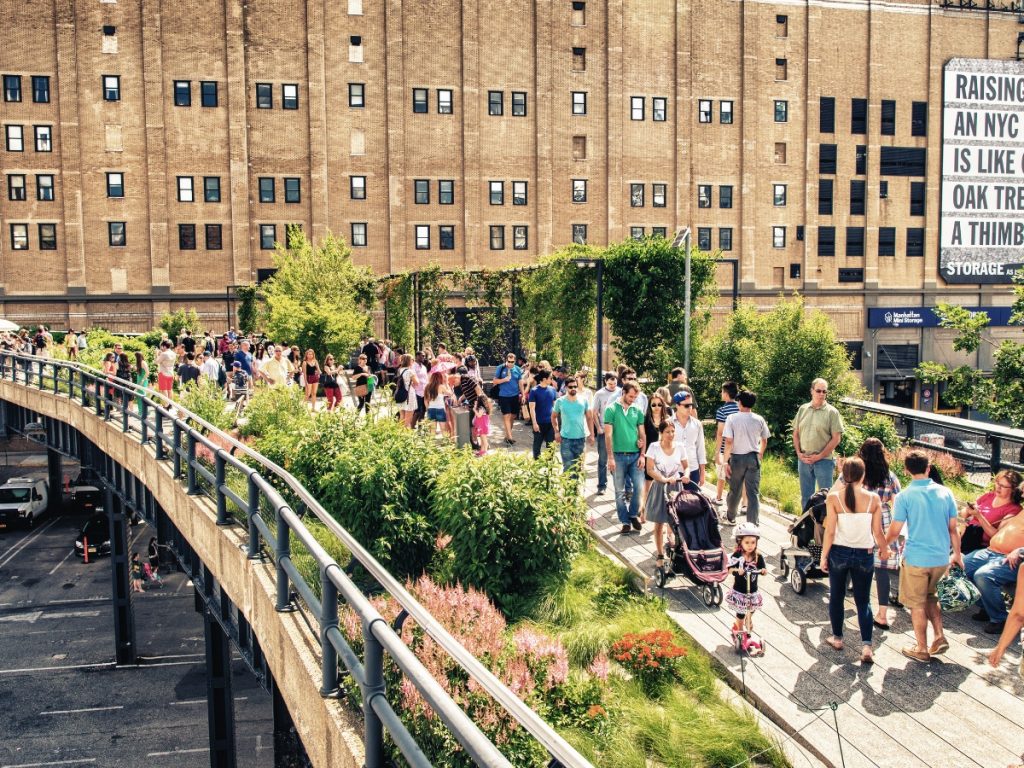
column 599, row 667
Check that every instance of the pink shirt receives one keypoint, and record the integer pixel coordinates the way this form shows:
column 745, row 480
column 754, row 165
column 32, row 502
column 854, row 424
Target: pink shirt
column 420, row 378
column 993, row 514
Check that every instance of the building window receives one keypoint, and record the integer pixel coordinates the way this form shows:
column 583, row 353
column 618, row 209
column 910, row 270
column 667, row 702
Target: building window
column 579, row 234
column 781, row 25
column 704, row 111
column 47, row 237
column 579, row 102
column 359, row 234
column 636, row 107
column 422, row 237
column 520, row 237
column 915, row 241
column 636, row 195
column 420, row 101
column 857, row 197
column 887, row 241
column 357, row 95
column 182, row 93
column 420, row 191
column 185, row 192
column 356, row 187
column 824, row 197
column 781, row 111
column 658, row 193
column 858, row 116
column 289, row 96
column 495, row 103
column 111, row 87
column 12, row 88
column 780, row 153
column 293, row 190
column 268, row 236
column 725, row 238
column 826, row 241
column 579, row 59
column 725, row 196
column 446, row 192
column 917, row 198
column 724, row 113
column 579, row 14
column 778, row 237
column 214, row 238
column 44, row 141
column 579, row 190
column 861, row 167
column 636, row 233
column 903, row 161
column 211, row 189
column 497, row 192
column 264, row 96
column 186, row 237
column 781, row 69
column 446, row 237
column 40, row 89
column 293, row 232
column 44, row 187
column 800, row 233
column 778, row 195
column 659, row 109
column 266, row 185
column 444, row 101
column 851, row 275
column 919, row 118
column 827, row 158
column 497, row 237
column 661, row 232
column 579, row 147
column 208, row 93
column 355, row 49
column 16, row 187
column 883, row 189
column 855, row 241
column 519, row 193
column 116, row 234
column 794, row 271
column 703, row 195
column 704, row 238
column 827, row 115
column 888, row 117
column 115, row 184
column 518, row 103
column 19, row 237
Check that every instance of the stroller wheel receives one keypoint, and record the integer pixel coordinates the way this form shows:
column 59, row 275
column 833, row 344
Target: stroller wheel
column 662, row 577
column 707, row 594
column 719, row 595
column 784, row 563
column 798, row 581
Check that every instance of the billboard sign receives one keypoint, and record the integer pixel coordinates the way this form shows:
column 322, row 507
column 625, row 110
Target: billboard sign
column 981, row 229
column 925, row 317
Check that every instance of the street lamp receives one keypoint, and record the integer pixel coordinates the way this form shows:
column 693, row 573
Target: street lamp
column 683, row 238
column 597, row 264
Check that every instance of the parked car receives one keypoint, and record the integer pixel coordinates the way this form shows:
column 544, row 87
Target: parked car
column 22, row 501
column 96, row 535
column 980, row 453
column 86, row 499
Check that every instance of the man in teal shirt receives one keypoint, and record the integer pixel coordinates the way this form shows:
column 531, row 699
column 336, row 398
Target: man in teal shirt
column 574, row 425
column 625, row 441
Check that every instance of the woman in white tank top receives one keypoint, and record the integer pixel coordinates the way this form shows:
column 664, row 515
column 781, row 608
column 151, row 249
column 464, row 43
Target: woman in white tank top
column 853, row 527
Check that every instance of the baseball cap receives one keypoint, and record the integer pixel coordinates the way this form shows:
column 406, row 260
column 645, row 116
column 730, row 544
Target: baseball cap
column 236, row 364
column 681, row 397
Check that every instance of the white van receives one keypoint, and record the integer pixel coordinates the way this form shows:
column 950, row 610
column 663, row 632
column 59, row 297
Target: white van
column 22, row 501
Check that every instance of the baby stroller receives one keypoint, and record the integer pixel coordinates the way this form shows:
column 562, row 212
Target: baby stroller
column 800, row 559
column 697, row 552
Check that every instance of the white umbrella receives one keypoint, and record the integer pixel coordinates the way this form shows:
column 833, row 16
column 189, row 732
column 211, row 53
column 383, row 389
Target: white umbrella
column 7, row 325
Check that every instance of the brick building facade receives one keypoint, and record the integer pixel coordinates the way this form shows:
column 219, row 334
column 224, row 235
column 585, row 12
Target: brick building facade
column 154, row 151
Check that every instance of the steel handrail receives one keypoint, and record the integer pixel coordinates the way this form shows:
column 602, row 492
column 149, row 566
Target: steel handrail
column 170, row 409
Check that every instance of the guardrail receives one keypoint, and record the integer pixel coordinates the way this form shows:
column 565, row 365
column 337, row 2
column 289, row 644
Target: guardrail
column 977, row 444
column 177, row 434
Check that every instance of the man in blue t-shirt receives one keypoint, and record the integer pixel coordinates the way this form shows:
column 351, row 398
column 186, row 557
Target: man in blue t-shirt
column 244, row 357
column 574, row 425
column 506, row 378
column 542, row 401
column 929, row 512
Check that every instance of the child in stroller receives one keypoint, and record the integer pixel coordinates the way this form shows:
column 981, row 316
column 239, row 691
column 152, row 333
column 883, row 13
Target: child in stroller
column 746, row 564
column 799, row 560
column 696, row 550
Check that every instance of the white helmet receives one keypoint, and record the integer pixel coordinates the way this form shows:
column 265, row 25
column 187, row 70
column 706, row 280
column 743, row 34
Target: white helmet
column 747, row 529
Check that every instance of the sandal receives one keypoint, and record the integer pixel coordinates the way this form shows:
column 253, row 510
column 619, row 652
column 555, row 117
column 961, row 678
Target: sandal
column 835, row 642
column 866, row 657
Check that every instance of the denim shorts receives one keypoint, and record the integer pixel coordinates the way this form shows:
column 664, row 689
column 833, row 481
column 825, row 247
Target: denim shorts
column 437, row 414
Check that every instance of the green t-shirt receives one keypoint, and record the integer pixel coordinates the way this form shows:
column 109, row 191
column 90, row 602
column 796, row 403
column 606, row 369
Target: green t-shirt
column 572, row 417
column 626, row 424
column 817, row 425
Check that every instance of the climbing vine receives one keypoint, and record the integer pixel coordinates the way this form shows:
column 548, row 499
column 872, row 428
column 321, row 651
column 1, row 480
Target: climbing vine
column 396, row 295
column 439, row 324
column 489, row 292
column 248, row 309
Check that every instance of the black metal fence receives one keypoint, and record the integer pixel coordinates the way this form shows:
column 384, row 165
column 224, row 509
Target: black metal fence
column 250, row 490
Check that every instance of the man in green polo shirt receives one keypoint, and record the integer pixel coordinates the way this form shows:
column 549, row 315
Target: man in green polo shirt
column 625, row 441
column 817, row 430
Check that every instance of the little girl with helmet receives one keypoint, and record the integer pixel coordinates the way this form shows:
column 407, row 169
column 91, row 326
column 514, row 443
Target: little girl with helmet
column 746, row 564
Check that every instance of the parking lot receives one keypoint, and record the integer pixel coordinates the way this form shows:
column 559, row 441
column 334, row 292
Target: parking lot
column 62, row 699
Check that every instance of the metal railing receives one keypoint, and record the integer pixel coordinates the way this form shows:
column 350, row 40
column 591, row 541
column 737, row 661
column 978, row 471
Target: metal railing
column 178, row 435
column 978, row 445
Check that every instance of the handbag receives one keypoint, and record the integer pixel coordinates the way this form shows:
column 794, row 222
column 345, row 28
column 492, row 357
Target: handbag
column 956, row 592
column 361, row 390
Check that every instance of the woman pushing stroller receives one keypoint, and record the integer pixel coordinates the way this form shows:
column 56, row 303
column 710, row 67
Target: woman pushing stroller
column 746, row 563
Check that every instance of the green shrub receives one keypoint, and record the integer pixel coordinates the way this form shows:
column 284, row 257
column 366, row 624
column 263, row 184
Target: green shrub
column 173, row 323
column 880, row 426
column 514, row 523
column 274, row 409
column 206, row 400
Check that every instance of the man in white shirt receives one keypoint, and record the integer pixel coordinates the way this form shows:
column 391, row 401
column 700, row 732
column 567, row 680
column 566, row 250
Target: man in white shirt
column 690, row 434
column 746, row 438
column 277, row 370
column 210, row 368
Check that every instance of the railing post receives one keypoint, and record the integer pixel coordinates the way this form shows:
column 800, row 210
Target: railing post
column 373, row 671
column 176, row 449
column 253, row 511
column 39, row 373
column 222, row 502
column 996, row 460
column 125, row 410
column 283, row 551
column 99, row 397
column 910, row 427
column 190, row 471
column 328, row 620
column 161, row 451
column 144, row 416
column 56, row 372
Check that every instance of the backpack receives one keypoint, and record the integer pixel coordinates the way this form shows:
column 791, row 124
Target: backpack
column 494, row 389
column 401, row 388
column 222, row 376
column 40, row 341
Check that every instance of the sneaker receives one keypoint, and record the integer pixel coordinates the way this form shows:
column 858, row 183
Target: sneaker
column 625, row 529
column 717, row 502
column 728, row 522
column 980, row 615
column 601, row 490
column 635, row 521
column 994, row 628
column 509, row 441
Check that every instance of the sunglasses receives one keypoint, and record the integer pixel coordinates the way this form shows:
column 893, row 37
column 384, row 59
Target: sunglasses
column 685, row 405
column 821, row 391
column 572, row 389
column 657, row 405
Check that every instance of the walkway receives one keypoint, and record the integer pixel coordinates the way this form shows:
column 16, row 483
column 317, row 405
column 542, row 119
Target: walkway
column 956, row 712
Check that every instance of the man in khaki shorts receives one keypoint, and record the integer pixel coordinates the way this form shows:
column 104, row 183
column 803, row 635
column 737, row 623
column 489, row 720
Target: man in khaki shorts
column 929, row 512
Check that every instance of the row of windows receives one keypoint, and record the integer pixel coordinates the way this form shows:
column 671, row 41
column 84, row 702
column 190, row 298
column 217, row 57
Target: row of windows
column 858, row 194
column 14, row 136
column 207, row 93
column 47, row 237
column 40, row 88
column 292, row 188
column 265, row 96
column 855, row 241
column 636, row 195
column 893, row 161
column 17, row 187
column 496, row 192
column 705, row 111
column 496, row 103
column 859, row 117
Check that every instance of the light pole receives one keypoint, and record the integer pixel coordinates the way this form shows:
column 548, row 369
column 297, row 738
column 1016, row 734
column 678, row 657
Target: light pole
column 597, row 264
column 683, row 238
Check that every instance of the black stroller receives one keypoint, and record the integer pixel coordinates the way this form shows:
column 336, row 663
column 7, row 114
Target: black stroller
column 800, row 559
column 697, row 552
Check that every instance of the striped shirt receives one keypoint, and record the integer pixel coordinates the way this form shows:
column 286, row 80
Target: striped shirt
column 725, row 410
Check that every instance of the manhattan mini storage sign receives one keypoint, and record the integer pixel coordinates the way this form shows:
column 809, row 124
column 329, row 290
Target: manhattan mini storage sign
column 982, row 223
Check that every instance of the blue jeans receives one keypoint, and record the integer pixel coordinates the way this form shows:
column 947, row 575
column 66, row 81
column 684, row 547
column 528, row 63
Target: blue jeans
column 571, row 450
column 990, row 573
column 859, row 565
column 626, row 468
column 819, row 473
column 602, row 463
